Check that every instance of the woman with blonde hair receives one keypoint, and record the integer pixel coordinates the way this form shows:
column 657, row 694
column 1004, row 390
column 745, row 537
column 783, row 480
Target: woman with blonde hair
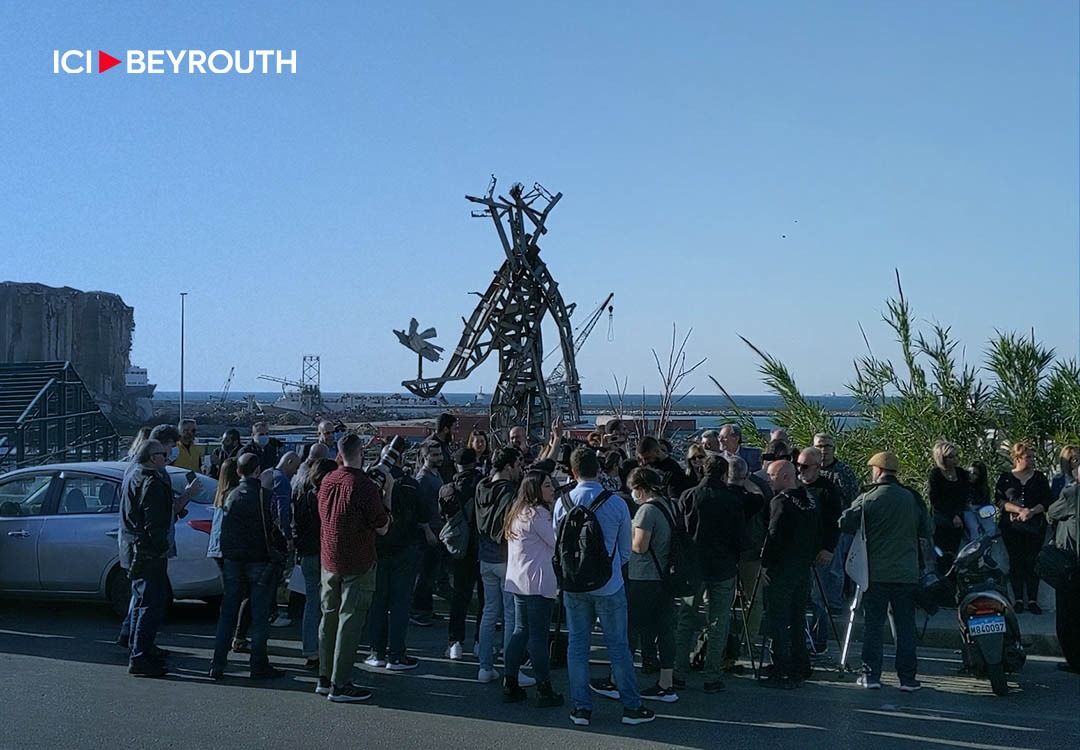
column 695, row 460
column 1023, row 495
column 530, row 577
column 950, row 491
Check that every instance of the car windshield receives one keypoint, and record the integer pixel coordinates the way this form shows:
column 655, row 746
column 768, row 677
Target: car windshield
column 207, row 487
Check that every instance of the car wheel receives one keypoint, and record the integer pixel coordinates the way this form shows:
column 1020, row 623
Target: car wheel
column 118, row 591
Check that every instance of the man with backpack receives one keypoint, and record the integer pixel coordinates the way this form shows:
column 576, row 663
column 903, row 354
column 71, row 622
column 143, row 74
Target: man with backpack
column 715, row 521
column 593, row 543
column 457, row 505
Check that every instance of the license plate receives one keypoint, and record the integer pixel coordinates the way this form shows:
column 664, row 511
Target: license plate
column 986, row 625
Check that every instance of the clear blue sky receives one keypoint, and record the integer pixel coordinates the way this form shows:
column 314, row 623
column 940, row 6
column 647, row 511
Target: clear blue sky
column 313, row 213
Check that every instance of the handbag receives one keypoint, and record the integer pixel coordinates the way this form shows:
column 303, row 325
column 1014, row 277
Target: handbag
column 857, row 562
column 1057, row 566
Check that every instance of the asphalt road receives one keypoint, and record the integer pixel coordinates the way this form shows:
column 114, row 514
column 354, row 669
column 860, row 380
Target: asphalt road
column 63, row 684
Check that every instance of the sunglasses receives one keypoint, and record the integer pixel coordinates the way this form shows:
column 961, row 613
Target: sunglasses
column 158, row 453
column 806, row 466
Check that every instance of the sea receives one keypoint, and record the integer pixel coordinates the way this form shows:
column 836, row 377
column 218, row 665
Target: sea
column 693, row 406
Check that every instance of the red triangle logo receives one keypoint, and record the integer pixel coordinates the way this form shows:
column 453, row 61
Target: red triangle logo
column 106, row 61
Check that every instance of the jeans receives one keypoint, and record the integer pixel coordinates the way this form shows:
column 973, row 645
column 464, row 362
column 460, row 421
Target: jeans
column 652, row 621
column 976, row 526
column 309, row 632
column 582, row 610
column 832, row 581
column 718, row 614
column 260, row 579
column 149, row 596
column 496, row 602
column 785, row 600
column 345, row 600
column 532, row 619
column 466, row 576
column 388, row 619
column 876, row 601
column 426, row 578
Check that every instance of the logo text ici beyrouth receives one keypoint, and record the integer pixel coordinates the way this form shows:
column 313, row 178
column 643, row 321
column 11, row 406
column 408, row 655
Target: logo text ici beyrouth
column 179, row 62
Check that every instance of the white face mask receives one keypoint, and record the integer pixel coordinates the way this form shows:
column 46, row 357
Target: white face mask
column 638, row 496
column 262, row 439
column 174, row 453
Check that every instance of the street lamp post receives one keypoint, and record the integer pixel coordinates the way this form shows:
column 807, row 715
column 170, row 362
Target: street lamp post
column 183, row 297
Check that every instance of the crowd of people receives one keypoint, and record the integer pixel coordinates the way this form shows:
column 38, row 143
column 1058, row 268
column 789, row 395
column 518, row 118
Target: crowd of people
column 657, row 551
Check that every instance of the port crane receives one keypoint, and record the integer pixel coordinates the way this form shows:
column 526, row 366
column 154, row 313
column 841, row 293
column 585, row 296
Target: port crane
column 224, row 395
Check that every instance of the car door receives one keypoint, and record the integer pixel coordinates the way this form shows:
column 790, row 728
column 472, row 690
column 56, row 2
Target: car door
column 78, row 544
column 24, row 500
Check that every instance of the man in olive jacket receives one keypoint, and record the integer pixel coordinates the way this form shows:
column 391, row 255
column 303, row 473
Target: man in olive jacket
column 896, row 520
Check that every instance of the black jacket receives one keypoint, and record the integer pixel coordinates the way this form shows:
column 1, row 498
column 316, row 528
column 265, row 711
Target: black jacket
column 714, row 520
column 248, row 531
column 830, row 505
column 794, row 537
column 460, row 494
column 146, row 513
column 268, row 455
column 493, row 499
column 305, row 520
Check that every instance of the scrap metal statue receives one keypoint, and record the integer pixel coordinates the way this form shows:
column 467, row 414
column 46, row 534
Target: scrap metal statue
column 507, row 321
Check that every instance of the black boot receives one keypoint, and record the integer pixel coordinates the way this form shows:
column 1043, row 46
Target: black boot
column 512, row 692
column 546, row 697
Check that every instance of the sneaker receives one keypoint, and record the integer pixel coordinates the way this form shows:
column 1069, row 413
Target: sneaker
column 348, row 694
column 487, row 675
column 281, row 621
column 322, row 687
column 640, row 715
column 266, row 673
column 716, row 686
column 869, row 683
column 375, row 661
column 421, row 620
column 513, row 693
column 605, row 687
column 241, row 646
column 456, row 652
column 524, row 680
column 581, row 717
column 403, row 664
column 910, row 687
column 657, row 693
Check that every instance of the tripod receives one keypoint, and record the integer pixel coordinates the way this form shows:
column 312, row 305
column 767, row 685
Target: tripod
column 744, row 608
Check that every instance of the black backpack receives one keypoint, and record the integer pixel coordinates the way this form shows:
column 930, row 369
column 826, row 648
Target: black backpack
column 679, row 571
column 405, row 510
column 582, row 562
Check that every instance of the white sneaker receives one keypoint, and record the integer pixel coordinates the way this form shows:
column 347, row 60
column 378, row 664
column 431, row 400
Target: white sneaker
column 867, row 682
column 281, row 621
column 525, row 681
column 456, row 652
column 489, row 675
column 374, row 661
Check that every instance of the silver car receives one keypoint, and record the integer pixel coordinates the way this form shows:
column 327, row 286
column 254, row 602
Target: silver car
column 58, row 535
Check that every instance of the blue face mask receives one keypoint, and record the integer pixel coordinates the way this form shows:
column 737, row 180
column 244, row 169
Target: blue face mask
column 174, row 453
column 262, row 440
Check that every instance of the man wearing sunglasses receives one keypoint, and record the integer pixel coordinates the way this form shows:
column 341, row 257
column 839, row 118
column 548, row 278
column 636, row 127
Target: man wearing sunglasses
column 829, row 503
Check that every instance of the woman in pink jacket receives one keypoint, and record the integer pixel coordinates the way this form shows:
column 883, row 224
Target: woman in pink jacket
column 530, row 577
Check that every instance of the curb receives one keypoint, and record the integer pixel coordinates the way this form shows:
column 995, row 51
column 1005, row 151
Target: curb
column 1035, row 644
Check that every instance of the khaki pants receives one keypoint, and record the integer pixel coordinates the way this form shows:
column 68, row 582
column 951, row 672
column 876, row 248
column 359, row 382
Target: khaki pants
column 345, row 604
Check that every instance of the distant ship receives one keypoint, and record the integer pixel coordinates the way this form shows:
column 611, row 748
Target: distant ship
column 137, row 383
column 401, row 405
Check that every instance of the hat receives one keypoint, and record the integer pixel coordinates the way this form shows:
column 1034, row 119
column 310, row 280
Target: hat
column 465, row 457
column 886, row 461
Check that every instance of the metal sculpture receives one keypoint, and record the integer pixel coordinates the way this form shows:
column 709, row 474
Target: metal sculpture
column 507, row 321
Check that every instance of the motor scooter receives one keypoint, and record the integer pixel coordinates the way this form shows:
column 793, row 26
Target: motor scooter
column 989, row 629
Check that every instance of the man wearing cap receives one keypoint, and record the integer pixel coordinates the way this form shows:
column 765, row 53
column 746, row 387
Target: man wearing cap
column 459, row 496
column 896, row 519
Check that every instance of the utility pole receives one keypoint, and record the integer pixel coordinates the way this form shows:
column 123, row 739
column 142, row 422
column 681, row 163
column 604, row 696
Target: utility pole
column 183, row 297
